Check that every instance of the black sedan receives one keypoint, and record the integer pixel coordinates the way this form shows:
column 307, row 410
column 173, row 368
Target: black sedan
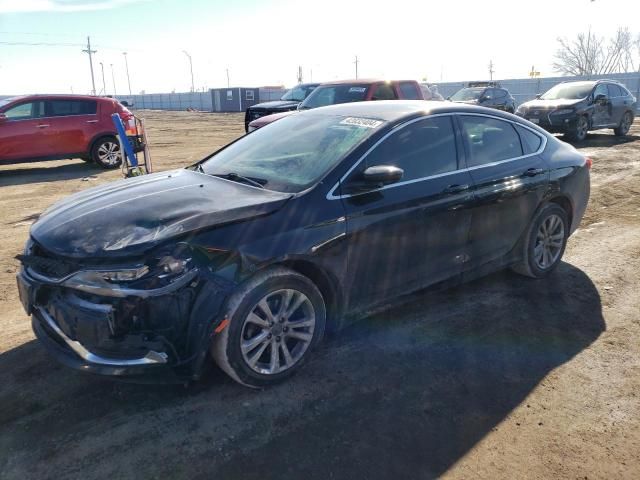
column 250, row 255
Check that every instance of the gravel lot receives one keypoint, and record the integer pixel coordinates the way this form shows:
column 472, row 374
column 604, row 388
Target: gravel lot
column 501, row 378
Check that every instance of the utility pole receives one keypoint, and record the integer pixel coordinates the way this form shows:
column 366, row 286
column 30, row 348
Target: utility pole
column 228, row 82
column 491, row 70
column 113, row 80
column 126, row 64
column 91, row 52
column 104, row 85
column 356, row 62
column 191, row 67
column 300, row 74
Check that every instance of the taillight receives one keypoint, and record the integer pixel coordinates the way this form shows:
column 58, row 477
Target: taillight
column 588, row 162
column 129, row 121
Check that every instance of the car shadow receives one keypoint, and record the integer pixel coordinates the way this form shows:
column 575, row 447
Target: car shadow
column 52, row 173
column 404, row 393
column 601, row 140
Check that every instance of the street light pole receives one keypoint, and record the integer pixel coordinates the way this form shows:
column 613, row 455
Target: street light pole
column 113, row 80
column 191, row 68
column 228, row 83
column 126, row 64
column 104, row 85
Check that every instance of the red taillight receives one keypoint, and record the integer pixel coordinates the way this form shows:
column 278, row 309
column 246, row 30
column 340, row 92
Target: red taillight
column 588, row 162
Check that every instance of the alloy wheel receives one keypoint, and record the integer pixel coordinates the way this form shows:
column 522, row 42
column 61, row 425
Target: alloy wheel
column 109, row 153
column 278, row 331
column 626, row 123
column 549, row 242
column 582, row 128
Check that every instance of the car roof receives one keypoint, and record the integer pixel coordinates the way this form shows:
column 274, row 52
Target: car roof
column 42, row 96
column 361, row 81
column 394, row 110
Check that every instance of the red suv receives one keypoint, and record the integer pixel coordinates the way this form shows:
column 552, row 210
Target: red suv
column 53, row 127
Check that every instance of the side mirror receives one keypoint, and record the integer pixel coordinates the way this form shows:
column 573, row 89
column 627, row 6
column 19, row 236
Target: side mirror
column 376, row 177
column 538, row 95
column 382, row 175
column 601, row 99
column 3, row 118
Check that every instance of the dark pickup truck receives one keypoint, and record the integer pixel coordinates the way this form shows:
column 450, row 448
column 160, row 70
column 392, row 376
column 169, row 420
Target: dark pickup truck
column 346, row 91
column 289, row 101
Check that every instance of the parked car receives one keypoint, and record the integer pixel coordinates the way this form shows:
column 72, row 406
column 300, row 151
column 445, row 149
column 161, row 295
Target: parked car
column 575, row 108
column 346, row 91
column 490, row 95
column 289, row 101
column 252, row 253
column 54, row 127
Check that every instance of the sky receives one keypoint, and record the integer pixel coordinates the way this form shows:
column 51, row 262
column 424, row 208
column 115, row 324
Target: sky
column 263, row 42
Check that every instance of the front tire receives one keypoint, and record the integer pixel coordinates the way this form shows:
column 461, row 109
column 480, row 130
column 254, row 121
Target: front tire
column 545, row 242
column 625, row 125
column 106, row 153
column 275, row 320
column 579, row 132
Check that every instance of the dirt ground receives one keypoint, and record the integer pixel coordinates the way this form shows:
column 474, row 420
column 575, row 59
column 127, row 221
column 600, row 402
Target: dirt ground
column 501, row 378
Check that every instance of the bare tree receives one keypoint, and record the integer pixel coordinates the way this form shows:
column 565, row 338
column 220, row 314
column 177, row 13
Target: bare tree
column 589, row 55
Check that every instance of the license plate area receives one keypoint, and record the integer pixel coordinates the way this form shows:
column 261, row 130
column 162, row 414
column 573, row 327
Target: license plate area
column 534, row 120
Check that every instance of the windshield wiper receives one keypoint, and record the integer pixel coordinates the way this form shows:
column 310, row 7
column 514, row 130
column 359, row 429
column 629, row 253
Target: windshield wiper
column 258, row 182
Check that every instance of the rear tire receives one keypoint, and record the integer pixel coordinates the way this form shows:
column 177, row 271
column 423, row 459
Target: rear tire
column 579, row 132
column 625, row 125
column 106, row 153
column 544, row 243
column 275, row 320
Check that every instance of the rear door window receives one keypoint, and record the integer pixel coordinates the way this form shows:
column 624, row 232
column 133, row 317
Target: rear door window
column 63, row 108
column 409, row 91
column 424, row 148
column 490, row 140
column 384, row 91
column 614, row 90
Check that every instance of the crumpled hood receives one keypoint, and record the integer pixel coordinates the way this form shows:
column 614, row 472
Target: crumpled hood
column 128, row 217
column 562, row 102
column 275, row 105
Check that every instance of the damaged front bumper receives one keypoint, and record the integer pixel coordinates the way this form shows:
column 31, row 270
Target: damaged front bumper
column 127, row 332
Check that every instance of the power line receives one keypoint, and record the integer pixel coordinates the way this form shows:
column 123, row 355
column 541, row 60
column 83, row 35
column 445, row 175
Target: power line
column 42, row 44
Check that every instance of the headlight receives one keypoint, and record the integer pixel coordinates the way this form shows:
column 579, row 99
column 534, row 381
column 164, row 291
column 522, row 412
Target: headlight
column 164, row 271
column 563, row 111
column 128, row 275
column 521, row 109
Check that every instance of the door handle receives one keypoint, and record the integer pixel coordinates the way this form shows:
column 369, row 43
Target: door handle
column 455, row 188
column 532, row 172
column 43, row 125
column 92, row 121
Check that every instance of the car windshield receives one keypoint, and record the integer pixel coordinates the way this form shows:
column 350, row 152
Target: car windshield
column 334, row 94
column 292, row 154
column 297, row 94
column 568, row 91
column 467, row 94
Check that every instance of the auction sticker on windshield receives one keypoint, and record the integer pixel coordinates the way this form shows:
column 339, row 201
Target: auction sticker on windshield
column 361, row 122
column 357, row 89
